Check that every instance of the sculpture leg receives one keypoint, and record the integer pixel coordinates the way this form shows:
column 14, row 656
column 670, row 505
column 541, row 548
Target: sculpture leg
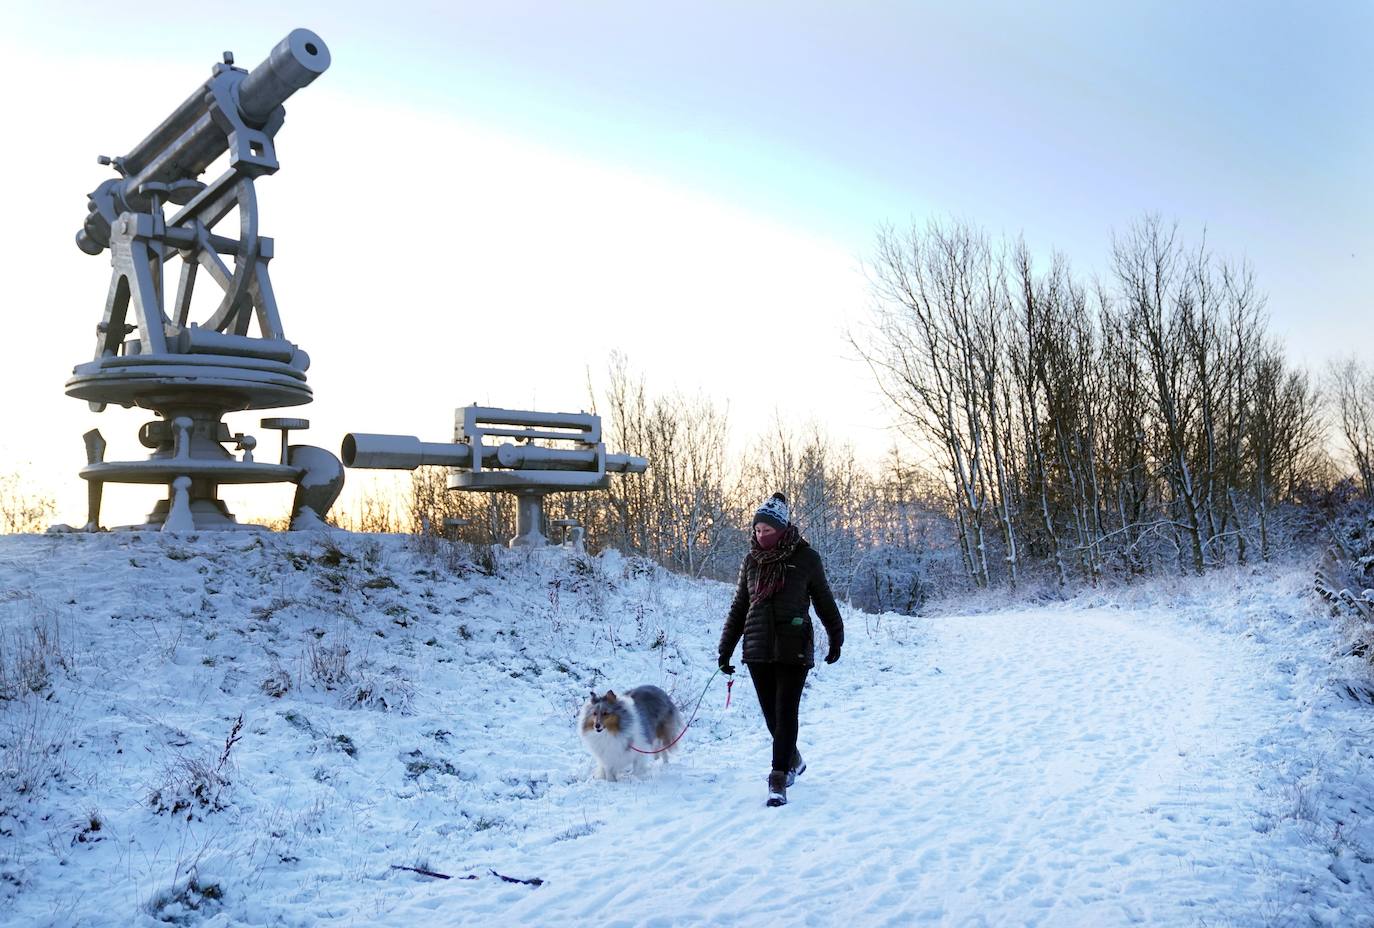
column 95, row 489
column 529, row 521
column 179, row 518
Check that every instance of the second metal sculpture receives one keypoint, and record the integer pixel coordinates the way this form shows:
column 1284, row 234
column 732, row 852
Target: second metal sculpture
column 570, row 456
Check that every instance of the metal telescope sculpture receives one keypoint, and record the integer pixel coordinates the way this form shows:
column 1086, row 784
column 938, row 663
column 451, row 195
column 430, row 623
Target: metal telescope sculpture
column 572, row 458
column 192, row 373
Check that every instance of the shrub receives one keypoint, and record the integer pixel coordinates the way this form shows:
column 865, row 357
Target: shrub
column 1346, row 574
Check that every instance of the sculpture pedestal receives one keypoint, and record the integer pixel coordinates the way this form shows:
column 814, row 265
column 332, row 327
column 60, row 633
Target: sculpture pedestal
column 191, row 394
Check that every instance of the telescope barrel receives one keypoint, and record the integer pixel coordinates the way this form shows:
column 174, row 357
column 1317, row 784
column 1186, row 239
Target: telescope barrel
column 295, row 61
column 403, row 452
column 195, row 134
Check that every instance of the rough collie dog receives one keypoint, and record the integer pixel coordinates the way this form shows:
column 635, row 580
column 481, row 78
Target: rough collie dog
column 612, row 727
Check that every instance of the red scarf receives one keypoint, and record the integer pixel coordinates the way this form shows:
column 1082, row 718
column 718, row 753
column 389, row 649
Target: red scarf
column 770, row 562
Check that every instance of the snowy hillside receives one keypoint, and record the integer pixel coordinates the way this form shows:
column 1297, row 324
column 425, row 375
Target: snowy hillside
column 261, row 729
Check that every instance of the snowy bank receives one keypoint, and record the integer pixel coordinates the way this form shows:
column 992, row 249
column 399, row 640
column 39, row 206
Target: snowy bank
column 261, row 729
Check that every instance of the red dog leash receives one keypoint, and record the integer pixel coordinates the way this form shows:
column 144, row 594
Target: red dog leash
column 730, row 684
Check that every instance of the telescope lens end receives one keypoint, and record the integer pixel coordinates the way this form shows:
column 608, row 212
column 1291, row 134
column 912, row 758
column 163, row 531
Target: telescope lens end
column 309, row 50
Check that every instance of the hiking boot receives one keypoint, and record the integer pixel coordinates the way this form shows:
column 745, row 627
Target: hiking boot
column 797, row 769
column 777, row 788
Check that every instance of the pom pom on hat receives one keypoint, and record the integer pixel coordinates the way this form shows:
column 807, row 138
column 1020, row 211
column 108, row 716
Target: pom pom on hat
column 774, row 511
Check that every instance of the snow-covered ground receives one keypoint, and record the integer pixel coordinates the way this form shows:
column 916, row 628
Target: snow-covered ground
column 1171, row 754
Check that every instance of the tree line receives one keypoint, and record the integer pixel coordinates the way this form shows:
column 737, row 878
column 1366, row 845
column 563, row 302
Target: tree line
column 1062, row 429
column 1124, row 424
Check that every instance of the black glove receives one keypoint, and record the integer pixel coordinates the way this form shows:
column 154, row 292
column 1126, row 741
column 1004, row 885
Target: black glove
column 833, row 654
column 726, row 667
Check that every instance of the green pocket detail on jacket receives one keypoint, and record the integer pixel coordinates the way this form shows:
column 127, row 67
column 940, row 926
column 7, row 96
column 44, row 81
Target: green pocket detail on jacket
column 792, row 638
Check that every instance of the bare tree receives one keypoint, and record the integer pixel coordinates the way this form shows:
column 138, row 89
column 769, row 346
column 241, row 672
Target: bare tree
column 1351, row 387
column 924, row 352
column 1147, row 263
column 678, row 511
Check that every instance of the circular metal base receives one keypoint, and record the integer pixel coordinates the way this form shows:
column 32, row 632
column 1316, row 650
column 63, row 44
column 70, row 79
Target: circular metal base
column 165, row 470
column 224, row 381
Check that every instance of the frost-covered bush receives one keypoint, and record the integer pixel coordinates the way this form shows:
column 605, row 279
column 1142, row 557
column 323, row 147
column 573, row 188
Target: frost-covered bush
column 890, row 579
column 1345, row 578
column 191, row 784
column 188, row 784
column 187, row 902
column 386, row 690
column 327, row 663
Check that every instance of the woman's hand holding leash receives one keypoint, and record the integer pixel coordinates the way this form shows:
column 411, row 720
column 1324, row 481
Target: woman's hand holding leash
column 729, row 670
column 730, row 684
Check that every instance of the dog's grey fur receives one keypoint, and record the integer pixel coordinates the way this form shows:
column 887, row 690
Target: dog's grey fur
column 645, row 718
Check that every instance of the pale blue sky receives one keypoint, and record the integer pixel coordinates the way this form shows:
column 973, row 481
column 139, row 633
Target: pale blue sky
column 711, row 129
column 1063, row 120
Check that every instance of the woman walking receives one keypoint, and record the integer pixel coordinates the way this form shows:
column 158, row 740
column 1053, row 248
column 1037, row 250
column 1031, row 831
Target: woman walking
column 781, row 576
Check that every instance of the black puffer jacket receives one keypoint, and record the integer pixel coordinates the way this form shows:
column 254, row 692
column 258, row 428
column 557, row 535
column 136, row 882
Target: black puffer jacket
column 778, row 630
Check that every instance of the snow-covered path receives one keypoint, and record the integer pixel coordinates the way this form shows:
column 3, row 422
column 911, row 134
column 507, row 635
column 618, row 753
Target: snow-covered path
column 1050, row 768
column 260, row 730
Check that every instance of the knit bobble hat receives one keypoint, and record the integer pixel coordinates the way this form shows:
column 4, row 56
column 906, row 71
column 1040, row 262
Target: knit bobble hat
column 774, row 512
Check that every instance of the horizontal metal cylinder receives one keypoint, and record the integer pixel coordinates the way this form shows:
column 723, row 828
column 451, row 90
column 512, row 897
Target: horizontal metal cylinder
column 626, row 464
column 171, row 128
column 406, row 452
column 195, row 340
column 295, row 61
column 402, row 452
column 533, row 457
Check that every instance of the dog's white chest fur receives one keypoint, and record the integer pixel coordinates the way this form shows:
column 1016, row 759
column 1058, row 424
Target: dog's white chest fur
column 614, row 753
column 614, row 750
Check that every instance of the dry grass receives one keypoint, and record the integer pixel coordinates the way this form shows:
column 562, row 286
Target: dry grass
column 197, row 783
column 327, row 664
column 21, row 510
column 29, row 655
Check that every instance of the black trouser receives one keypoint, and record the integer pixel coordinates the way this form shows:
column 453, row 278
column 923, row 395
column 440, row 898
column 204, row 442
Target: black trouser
column 779, row 687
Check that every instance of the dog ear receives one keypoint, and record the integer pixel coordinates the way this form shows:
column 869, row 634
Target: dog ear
column 610, row 695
